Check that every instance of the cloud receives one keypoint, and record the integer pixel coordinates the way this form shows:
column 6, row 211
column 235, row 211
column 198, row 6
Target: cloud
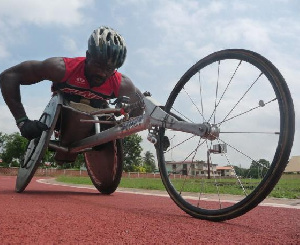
column 18, row 20
column 63, row 13
column 181, row 17
column 7, row 122
column 69, row 44
column 248, row 31
column 241, row 6
column 194, row 25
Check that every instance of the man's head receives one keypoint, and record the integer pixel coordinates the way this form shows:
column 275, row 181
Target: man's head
column 106, row 52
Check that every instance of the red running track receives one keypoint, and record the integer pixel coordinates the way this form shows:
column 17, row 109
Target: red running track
column 51, row 214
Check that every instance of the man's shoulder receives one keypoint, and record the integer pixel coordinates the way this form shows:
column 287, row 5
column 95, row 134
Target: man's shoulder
column 74, row 60
column 125, row 78
column 126, row 85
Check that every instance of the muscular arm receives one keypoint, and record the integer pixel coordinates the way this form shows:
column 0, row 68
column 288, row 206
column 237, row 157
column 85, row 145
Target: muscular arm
column 26, row 73
column 128, row 89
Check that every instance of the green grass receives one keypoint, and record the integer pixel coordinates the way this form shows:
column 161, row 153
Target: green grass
column 288, row 186
column 139, row 183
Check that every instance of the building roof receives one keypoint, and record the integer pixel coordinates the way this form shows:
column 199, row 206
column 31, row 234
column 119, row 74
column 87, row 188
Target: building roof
column 188, row 162
column 223, row 168
column 293, row 165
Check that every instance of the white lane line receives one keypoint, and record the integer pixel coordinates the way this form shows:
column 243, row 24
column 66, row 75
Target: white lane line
column 264, row 204
column 45, row 181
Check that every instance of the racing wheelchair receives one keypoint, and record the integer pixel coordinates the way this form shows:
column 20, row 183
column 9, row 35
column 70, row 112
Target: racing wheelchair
column 227, row 127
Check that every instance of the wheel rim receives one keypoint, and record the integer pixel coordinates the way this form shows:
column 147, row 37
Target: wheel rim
column 247, row 107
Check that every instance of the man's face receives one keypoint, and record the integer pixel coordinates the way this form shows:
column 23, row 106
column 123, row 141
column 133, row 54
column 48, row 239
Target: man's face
column 97, row 72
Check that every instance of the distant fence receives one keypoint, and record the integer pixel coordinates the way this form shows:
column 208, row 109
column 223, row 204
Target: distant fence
column 53, row 172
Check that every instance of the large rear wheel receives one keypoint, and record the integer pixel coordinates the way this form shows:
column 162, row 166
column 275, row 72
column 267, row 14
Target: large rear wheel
column 247, row 104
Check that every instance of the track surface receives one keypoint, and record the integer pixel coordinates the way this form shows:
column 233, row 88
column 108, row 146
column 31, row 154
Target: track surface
column 52, row 214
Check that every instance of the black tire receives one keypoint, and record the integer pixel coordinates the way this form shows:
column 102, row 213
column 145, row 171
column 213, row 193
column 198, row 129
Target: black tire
column 37, row 147
column 105, row 175
column 255, row 124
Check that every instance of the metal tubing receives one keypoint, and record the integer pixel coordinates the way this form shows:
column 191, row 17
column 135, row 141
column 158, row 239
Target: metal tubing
column 57, row 147
column 154, row 116
column 135, row 125
column 97, row 121
column 106, row 111
column 97, row 125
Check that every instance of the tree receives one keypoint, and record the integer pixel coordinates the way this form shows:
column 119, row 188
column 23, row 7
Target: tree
column 2, row 140
column 132, row 152
column 241, row 171
column 13, row 148
column 258, row 169
column 79, row 162
column 149, row 162
column 48, row 159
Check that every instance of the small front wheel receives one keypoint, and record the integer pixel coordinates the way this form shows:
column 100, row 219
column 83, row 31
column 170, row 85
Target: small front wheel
column 37, row 147
column 247, row 104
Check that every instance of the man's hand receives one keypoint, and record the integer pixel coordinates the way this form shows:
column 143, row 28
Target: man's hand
column 31, row 129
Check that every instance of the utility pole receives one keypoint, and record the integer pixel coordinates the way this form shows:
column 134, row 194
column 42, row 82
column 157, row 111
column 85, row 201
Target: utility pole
column 217, row 149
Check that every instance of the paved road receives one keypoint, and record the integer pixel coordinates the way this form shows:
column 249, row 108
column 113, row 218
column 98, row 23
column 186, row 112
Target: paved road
column 54, row 214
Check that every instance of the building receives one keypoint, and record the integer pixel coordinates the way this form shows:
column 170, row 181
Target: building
column 198, row 168
column 194, row 168
column 225, row 171
column 293, row 165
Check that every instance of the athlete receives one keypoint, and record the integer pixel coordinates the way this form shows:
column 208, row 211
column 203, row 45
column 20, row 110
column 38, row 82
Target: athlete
column 93, row 78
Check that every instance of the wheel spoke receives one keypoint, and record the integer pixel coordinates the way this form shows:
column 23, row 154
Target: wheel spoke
column 217, row 89
column 181, row 114
column 201, row 98
column 245, row 112
column 227, row 86
column 194, row 152
column 241, row 152
column 214, row 176
column 193, row 102
column 238, row 178
column 182, row 142
column 239, row 101
column 249, row 132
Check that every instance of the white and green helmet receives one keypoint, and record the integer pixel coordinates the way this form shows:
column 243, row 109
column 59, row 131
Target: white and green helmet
column 107, row 45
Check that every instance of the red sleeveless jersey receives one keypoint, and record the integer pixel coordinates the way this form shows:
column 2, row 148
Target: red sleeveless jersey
column 74, row 82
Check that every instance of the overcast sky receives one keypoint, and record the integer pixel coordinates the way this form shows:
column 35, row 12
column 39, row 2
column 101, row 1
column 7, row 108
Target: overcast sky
column 164, row 38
